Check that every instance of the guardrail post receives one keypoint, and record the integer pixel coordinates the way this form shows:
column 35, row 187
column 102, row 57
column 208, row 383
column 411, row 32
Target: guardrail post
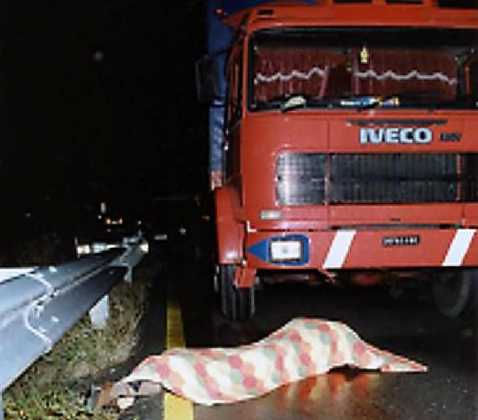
column 128, row 278
column 1, row 407
column 99, row 314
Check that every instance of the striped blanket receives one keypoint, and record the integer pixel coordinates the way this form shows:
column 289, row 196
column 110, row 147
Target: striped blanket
column 300, row 349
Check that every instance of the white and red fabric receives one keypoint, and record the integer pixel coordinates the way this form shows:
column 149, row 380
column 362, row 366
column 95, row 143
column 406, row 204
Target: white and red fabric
column 301, row 349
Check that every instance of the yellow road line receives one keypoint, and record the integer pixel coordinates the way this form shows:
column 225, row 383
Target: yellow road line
column 175, row 334
column 175, row 408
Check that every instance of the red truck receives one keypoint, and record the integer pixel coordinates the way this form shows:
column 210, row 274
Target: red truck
column 350, row 146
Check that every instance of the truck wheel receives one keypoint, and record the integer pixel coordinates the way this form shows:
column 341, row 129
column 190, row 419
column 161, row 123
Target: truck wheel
column 452, row 292
column 237, row 304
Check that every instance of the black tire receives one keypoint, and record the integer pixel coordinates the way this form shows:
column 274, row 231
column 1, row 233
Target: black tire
column 453, row 292
column 237, row 304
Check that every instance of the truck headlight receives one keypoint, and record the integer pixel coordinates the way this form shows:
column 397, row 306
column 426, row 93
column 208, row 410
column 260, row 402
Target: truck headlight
column 287, row 250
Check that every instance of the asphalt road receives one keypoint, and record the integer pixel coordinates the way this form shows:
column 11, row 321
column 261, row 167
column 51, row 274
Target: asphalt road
column 409, row 326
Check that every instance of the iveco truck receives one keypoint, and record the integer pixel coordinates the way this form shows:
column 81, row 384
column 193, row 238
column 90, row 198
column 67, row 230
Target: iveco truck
column 344, row 144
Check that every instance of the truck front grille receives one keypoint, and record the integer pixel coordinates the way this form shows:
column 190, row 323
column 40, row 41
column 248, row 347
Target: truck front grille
column 314, row 178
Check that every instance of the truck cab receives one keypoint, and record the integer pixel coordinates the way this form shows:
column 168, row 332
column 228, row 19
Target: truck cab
column 349, row 146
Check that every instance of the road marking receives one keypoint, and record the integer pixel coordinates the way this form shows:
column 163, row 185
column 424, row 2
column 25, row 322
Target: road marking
column 459, row 247
column 339, row 249
column 175, row 408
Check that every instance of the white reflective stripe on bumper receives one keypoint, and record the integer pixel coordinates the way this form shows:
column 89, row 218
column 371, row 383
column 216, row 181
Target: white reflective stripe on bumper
column 459, row 247
column 339, row 249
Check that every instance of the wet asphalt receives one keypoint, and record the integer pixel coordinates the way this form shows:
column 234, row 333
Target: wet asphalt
column 409, row 326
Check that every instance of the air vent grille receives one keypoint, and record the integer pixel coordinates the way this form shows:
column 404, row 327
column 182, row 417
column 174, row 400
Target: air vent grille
column 316, row 178
column 352, row 1
column 404, row 1
column 458, row 4
column 448, row 4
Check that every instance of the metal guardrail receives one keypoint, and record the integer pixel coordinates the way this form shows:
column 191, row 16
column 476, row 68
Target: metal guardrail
column 38, row 306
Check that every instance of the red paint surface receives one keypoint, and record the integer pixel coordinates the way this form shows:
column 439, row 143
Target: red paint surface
column 258, row 138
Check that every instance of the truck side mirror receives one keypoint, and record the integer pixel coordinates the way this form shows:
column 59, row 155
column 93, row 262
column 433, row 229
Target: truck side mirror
column 210, row 80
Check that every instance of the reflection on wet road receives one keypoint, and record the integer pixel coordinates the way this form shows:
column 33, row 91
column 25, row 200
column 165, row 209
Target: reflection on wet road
column 409, row 326
column 320, row 397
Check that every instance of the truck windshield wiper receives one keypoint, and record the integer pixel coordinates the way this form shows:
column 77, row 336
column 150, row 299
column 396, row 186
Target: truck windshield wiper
column 425, row 100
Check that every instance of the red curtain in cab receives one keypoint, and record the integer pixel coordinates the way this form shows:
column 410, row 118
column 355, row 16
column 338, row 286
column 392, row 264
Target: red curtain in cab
column 280, row 72
column 390, row 71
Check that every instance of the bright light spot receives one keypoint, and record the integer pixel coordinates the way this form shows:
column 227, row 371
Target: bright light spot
column 83, row 250
column 98, row 56
column 144, row 247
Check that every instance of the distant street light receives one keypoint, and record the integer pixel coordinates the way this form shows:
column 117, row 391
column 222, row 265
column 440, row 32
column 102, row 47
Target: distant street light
column 98, row 56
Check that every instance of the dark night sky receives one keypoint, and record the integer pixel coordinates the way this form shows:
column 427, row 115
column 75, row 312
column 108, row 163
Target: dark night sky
column 124, row 128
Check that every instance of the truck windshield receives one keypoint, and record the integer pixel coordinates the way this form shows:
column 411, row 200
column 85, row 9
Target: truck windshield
column 363, row 68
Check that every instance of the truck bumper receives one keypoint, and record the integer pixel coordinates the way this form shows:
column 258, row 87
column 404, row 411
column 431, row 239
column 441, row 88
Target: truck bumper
column 362, row 249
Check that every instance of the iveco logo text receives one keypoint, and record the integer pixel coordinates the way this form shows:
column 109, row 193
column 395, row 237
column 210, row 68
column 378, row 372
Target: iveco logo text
column 396, row 135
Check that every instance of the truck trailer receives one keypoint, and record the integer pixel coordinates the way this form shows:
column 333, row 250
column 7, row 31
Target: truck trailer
column 344, row 144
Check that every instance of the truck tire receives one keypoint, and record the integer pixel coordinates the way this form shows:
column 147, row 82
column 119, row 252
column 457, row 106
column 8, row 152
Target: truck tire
column 453, row 292
column 237, row 304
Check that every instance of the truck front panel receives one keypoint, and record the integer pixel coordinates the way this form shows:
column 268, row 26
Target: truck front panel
column 357, row 152
column 364, row 248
